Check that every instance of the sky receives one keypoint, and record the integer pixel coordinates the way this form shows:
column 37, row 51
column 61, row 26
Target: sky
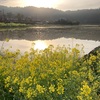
column 57, row 4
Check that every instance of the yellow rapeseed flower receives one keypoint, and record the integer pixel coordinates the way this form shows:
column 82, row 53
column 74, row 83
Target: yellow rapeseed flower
column 15, row 80
column 79, row 97
column 75, row 73
column 7, row 79
column 85, row 90
column 52, row 88
column 92, row 58
column 7, row 85
column 40, row 89
column 60, row 89
column 11, row 89
column 21, row 89
column 29, row 80
column 29, row 92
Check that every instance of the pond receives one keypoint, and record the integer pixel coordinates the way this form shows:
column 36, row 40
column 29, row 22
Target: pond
column 43, row 36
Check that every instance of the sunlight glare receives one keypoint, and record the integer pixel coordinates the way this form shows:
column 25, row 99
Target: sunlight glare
column 40, row 45
column 41, row 3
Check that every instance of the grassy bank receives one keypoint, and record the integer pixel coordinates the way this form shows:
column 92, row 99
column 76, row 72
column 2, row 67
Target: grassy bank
column 8, row 25
column 51, row 74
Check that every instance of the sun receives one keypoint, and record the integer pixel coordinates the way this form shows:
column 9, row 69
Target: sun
column 41, row 3
column 40, row 45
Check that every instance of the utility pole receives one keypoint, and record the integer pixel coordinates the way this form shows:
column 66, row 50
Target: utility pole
column 0, row 15
column 3, row 15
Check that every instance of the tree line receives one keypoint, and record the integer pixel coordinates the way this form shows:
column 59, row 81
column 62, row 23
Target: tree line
column 16, row 18
column 20, row 18
column 66, row 22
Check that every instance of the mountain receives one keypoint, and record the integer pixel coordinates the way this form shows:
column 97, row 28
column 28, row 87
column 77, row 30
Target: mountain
column 88, row 16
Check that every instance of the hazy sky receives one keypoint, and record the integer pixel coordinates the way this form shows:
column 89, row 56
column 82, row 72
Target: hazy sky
column 58, row 4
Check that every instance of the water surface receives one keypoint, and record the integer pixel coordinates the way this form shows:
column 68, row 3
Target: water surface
column 43, row 36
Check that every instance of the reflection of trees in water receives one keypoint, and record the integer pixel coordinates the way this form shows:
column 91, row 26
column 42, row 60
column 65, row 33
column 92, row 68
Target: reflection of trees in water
column 52, row 33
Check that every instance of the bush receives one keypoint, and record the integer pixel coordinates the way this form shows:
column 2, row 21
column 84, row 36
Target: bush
column 50, row 74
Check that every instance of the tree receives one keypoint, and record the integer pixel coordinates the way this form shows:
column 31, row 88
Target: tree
column 20, row 17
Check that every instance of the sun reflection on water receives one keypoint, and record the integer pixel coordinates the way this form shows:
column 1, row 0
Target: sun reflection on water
column 40, row 45
column 25, row 45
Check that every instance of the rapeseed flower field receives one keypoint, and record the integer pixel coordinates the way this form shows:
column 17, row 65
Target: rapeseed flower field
column 50, row 74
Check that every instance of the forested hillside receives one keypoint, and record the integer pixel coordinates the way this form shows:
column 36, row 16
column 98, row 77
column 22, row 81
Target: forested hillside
column 87, row 16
